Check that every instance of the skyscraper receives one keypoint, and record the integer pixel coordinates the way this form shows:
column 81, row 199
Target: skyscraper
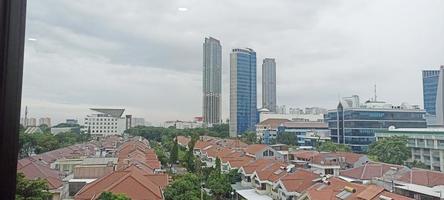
column 433, row 91
column 243, row 97
column 269, row 84
column 212, row 81
column 430, row 88
column 439, row 106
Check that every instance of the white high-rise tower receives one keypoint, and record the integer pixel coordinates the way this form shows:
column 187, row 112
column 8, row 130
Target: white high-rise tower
column 269, row 84
column 212, row 81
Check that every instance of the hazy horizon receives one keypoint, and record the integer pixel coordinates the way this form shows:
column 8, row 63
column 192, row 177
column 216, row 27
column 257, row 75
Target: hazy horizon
column 146, row 56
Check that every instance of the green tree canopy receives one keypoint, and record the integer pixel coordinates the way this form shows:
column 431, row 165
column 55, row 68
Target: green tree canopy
column 186, row 187
column 329, row 146
column 219, row 184
column 287, row 138
column 31, row 189
column 111, row 196
column 217, row 166
column 249, row 137
column 391, row 150
column 174, row 153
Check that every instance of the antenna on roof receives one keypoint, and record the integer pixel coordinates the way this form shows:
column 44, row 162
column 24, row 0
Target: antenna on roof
column 375, row 92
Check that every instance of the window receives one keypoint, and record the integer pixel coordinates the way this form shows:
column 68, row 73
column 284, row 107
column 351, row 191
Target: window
column 329, row 171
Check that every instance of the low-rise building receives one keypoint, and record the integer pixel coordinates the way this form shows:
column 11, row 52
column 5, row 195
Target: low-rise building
column 267, row 129
column 421, row 184
column 132, row 181
column 307, row 133
column 335, row 188
column 292, row 185
column 260, row 151
column 331, row 163
column 426, row 144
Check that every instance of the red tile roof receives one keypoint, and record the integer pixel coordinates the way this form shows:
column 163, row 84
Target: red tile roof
column 255, row 148
column 304, row 154
column 257, row 165
column 34, row 170
column 130, row 181
column 333, row 158
column 423, row 177
column 273, row 123
column 201, row 144
column 298, row 181
column 361, row 192
column 370, row 170
column 272, row 172
column 183, row 140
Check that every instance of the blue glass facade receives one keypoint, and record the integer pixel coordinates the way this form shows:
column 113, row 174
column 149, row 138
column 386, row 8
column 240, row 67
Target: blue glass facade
column 246, row 94
column 356, row 127
column 430, row 88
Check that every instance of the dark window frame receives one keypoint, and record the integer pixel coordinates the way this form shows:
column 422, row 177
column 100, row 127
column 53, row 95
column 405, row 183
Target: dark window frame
column 12, row 43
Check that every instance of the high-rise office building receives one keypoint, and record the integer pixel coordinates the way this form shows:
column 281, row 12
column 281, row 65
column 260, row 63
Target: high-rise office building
column 433, row 89
column 243, row 97
column 212, row 81
column 429, row 89
column 439, row 106
column 269, row 84
column 356, row 125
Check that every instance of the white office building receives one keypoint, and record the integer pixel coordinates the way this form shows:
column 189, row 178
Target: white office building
column 105, row 122
column 212, row 81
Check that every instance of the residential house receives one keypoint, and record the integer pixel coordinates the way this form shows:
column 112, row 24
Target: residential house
column 260, row 151
column 132, row 181
column 292, row 185
column 330, row 163
column 421, row 184
column 33, row 169
column 335, row 188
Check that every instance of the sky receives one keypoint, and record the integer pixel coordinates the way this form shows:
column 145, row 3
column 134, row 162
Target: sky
column 146, row 55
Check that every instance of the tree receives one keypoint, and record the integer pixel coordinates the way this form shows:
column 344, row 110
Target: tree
column 27, row 144
column 417, row 164
column 219, row 130
column 174, row 154
column 189, row 157
column 287, row 138
column 218, row 165
column 186, row 187
column 31, row 189
column 45, row 142
column 219, row 184
column 234, row 176
column 111, row 196
column 391, row 150
column 249, row 137
column 329, row 146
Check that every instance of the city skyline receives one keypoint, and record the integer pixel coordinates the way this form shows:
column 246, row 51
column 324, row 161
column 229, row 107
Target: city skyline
column 137, row 57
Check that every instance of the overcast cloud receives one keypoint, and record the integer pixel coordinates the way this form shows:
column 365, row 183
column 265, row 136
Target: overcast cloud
column 146, row 55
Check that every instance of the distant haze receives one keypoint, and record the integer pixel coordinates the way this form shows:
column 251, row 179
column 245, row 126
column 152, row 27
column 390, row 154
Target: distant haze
column 146, row 56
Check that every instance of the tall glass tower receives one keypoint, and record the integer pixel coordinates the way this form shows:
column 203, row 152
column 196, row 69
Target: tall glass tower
column 429, row 90
column 243, row 97
column 212, row 81
column 269, row 84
